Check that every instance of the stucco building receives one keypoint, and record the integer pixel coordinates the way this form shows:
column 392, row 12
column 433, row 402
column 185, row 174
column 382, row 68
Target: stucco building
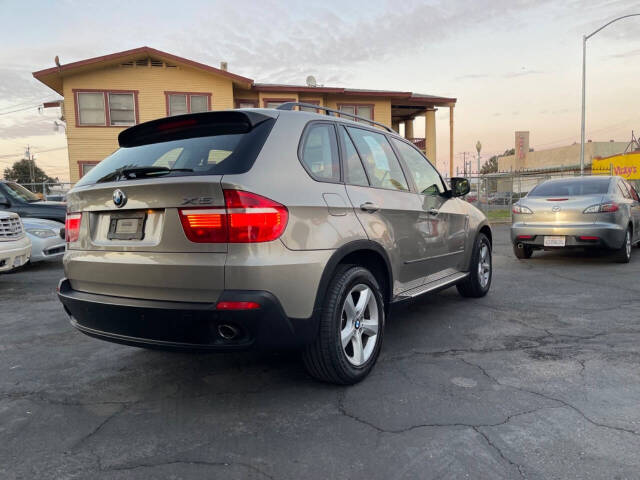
column 104, row 95
column 567, row 157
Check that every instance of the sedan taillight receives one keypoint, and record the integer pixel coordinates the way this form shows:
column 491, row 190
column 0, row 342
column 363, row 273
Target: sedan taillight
column 72, row 227
column 608, row 207
column 246, row 218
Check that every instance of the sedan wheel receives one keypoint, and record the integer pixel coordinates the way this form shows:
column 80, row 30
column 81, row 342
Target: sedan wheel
column 623, row 254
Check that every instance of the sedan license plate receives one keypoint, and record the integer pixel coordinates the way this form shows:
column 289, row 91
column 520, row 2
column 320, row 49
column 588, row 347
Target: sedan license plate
column 127, row 226
column 554, row 241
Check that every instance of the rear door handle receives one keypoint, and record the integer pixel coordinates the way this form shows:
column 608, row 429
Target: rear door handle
column 369, row 207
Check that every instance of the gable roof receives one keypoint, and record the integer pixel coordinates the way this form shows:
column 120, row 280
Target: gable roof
column 52, row 77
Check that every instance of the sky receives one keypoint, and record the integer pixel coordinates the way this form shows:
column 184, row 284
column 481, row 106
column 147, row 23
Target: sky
column 512, row 64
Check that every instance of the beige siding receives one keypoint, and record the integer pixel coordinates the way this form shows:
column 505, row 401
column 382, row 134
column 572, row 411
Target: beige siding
column 91, row 144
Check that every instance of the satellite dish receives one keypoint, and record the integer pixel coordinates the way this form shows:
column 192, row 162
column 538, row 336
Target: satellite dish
column 311, row 81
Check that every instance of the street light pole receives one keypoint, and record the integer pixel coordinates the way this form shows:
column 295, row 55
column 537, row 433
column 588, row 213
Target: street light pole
column 584, row 76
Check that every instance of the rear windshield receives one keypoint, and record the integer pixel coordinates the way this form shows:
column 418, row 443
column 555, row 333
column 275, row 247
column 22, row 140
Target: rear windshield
column 571, row 187
column 211, row 155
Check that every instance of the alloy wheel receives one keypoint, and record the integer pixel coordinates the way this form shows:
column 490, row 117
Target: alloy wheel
column 359, row 324
column 484, row 265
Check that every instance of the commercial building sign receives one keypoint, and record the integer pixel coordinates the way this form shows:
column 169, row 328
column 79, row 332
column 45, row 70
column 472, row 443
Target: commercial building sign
column 522, row 146
column 625, row 165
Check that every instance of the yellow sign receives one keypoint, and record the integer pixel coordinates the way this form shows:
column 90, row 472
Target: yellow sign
column 625, row 165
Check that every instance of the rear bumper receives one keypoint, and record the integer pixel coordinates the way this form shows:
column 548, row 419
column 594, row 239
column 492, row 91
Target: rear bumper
column 186, row 326
column 609, row 235
column 16, row 251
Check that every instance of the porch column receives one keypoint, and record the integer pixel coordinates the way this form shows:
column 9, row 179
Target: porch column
column 451, row 105
column 430, row 134
column 408, row 128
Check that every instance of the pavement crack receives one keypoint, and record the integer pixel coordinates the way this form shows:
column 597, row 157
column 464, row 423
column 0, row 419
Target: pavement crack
column 135, row 466
column 500, row 452
column 507, row 419
column 99, row 427
column 555, row 399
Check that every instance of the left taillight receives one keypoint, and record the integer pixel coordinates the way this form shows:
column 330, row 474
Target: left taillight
column 72, row 227
column 204, row 225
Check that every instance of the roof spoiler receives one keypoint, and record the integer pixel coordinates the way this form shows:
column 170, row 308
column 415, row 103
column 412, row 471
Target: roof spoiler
column 191, row 125
column 331, row 111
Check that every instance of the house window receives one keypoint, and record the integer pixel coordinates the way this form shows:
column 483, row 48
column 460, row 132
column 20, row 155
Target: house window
column 122, row 111
column 106, row 108
column 242, row 103
column 309, row 109
column 91, row 108
column 179, row 103
column 276, row 102
column 365, row 111
column 85, row 167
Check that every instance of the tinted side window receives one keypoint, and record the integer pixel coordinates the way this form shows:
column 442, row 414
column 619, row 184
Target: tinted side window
column 354, row 171
column 632, row 191
column 426, row 178
column 320, row 152
column 623, row 190
column 378, row 159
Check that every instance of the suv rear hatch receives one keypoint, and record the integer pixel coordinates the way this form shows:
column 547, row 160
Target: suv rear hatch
column 148, row 222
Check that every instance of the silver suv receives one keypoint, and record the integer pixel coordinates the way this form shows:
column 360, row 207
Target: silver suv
column 265, row 228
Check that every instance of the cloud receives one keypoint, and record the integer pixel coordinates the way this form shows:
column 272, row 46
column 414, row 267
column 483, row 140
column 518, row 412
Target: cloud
column 472, row 76
column 522, row 73
column 630, row 53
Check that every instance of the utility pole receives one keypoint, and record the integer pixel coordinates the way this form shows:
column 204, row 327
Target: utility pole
column 32, row 164
column 584, row 79
column 478, row 148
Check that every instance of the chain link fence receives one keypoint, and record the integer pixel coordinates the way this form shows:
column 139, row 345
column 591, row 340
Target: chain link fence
column 494, row 193
column 50, row 190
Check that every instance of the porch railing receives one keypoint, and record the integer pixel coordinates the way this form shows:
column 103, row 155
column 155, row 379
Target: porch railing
column 418, row 142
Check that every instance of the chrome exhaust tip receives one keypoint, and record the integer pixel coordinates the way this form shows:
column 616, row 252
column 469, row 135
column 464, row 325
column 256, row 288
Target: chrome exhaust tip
column 520, row 245
column 228, row 332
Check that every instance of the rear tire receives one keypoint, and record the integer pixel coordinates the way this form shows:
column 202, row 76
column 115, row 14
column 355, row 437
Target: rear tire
column 352, row 317
column 478, row 282
column 523, row 252
column 623, row 254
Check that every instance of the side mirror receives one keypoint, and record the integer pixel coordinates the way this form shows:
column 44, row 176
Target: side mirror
column 460, row 186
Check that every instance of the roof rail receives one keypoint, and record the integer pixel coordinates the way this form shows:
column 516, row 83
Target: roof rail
column 290, row 105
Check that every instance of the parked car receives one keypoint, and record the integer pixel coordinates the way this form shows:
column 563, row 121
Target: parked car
column 46, row 240
column 16, row 198
column 15, row 247
column 500, row 198
column 585, row 212
column 271, row 229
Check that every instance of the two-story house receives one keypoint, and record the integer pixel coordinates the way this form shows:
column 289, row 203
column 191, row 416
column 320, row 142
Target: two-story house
column 104, row 95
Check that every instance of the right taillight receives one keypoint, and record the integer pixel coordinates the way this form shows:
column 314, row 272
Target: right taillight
column 72, row 227
column 246, row 218
column 608, row 207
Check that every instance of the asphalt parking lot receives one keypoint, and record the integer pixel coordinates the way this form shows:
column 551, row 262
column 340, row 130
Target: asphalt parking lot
column 540, row 379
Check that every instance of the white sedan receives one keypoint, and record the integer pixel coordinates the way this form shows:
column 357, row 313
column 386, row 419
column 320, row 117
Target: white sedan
column 15, row 246
column 45, row 238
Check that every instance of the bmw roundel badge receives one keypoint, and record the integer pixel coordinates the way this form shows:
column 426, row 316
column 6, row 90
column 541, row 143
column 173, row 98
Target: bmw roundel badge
column 119, row 198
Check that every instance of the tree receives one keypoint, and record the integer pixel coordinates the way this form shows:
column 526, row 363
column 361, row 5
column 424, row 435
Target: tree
column 490, row 166
column 20, row 172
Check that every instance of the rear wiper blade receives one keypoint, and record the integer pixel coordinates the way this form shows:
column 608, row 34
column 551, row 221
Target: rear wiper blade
column 139, row 172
